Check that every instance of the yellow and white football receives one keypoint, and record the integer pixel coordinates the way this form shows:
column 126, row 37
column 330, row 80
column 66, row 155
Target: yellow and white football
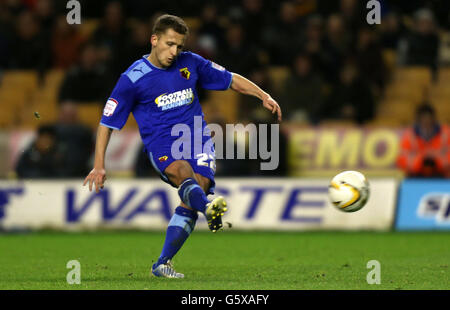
column 349, row 191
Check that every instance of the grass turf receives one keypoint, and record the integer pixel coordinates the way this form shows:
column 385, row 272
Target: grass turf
column 228, row 260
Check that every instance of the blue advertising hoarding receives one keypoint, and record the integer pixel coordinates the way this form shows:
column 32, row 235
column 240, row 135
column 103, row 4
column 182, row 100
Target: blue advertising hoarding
column 424, row 204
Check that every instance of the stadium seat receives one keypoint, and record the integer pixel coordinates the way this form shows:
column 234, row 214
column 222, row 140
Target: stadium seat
column 42, row 100
column 440, row 93
column 443, row 110
column 131, row 123
column 337, row 123
column 393, row 106
column 13, row 95
column 88, row 26
column 53, row 79
column 193, row 23
column 444, row 75
column 405, row 91
column 90, row 114
column 399, row 109
column 278, row 75
column 226, row 103
column 441, row 89
column 444, row 49
column 8, row 115
column 17, row 91
column 25, row 80
column 390, row 59
column 418, row 75
column 46, row 107
column 390, row 122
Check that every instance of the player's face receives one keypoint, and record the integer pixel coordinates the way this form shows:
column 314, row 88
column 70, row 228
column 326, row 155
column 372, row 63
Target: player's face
column 167, row 47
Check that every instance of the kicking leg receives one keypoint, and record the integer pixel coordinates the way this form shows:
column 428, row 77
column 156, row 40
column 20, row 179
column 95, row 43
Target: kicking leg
column 191, row 193
column 192, row 188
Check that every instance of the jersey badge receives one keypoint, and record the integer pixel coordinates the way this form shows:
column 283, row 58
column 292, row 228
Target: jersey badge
column 185, row 73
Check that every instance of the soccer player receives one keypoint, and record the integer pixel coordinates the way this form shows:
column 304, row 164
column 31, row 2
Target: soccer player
column 160, row 90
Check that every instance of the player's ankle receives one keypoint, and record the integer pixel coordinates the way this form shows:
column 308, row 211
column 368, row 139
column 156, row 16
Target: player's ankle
column 160, row 261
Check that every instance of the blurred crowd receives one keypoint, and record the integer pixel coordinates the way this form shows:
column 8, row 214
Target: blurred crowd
column 336, row 66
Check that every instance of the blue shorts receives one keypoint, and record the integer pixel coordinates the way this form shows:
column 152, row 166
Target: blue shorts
column 201, row 163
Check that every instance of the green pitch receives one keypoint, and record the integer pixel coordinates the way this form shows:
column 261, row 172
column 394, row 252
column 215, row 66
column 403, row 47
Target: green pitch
column 227, row 260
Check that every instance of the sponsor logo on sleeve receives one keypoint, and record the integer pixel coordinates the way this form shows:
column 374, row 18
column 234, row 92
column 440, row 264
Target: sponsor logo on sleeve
column 110, row 107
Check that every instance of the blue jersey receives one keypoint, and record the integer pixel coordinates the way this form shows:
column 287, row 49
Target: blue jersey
column 160, row 98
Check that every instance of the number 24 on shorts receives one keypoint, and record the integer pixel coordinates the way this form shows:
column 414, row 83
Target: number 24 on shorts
column 203, row 160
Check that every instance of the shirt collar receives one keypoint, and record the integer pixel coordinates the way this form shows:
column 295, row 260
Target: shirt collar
column 150, row 64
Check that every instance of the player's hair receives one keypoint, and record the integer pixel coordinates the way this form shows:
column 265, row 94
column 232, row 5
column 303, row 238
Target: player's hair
column 166, row 21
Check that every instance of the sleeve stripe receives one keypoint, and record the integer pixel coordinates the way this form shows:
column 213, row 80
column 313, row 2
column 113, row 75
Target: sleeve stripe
column 109, row 126
column 231, row 80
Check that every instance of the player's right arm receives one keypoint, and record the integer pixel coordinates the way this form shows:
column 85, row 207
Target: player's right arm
column 97, row 176
column 115, row 114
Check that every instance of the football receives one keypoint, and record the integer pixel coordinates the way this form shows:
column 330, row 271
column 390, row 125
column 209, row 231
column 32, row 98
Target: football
column 349, row 191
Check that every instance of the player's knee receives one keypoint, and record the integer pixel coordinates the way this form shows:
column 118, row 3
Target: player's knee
column 178, row 171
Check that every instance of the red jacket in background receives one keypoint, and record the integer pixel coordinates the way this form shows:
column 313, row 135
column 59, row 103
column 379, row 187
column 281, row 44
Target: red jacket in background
column 425, row 158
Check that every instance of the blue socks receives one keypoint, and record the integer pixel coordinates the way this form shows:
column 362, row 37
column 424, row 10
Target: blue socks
column 180, row 227
column 193, row 195
column 183, row 221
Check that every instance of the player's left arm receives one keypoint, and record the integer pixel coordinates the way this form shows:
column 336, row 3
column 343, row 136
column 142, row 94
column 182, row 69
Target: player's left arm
column 215, row 77
column 247, row 87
